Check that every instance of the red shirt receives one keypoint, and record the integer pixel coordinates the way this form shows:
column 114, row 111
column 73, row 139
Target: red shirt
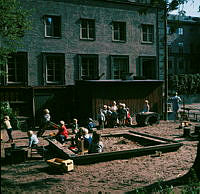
column 63, row 131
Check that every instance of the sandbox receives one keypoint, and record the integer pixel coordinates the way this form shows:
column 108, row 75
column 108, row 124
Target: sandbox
column 125, row 145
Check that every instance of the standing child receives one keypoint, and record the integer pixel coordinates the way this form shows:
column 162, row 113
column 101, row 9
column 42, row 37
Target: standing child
column 8, row 128
column 146, row 106
column 45, row 120
column 75, row 126
column 101, row 119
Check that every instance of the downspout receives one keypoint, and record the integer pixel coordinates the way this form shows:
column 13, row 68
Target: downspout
column 165, row 64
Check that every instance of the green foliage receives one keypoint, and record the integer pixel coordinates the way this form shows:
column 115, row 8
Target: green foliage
column 185, row 83
column 6, row 110
column 13, row 24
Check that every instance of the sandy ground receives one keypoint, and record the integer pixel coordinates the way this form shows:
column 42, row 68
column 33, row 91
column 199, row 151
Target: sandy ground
column 117, row 176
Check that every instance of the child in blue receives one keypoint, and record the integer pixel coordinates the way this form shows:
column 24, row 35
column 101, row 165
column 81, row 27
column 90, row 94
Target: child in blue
column 33, row 140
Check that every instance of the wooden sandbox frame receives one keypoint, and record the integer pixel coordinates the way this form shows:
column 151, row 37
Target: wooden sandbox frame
column 152, row 144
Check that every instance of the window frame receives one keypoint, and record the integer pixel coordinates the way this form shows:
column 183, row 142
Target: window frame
column 112, row 68
column 55, row 26
column 90, row 28
column 61, row 67
column 120, row 30
column 96, row 69
column 148, row 33
column 180, row 31
column 16, row 71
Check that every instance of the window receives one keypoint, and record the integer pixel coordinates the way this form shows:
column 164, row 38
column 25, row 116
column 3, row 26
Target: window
column 180, row 31
column 147, row 33
column 148, row 67
column 54, row 68
column 169, row 30
column 119, row 67
column 119, row 31
column 87, row 29
column 16, row 67
column 88, row 67
column 52, row 26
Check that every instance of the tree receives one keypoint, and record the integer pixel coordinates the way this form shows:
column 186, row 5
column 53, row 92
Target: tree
column 13, row 24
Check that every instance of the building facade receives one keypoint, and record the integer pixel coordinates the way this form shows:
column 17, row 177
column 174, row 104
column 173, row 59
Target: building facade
column 183, row 44
column 86, row 40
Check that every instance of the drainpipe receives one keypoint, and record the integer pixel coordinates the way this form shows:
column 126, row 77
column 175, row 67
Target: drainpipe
column 165, row 65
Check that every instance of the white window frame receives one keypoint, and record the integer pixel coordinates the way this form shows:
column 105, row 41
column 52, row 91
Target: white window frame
column 61, row 67
column 53, row 26
column 119, row 28
column 149, row 33
column 89, row 28
column 180, row 31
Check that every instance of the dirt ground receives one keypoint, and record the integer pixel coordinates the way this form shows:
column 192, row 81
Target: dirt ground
column 117, row 176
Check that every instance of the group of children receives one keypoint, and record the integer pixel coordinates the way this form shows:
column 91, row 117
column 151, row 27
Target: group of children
column 109, row 116
column 114, row 115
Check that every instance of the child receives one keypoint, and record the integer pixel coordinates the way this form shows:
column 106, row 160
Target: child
column 91, row 125
column 45, row 120
column 62, row 134
column 96, row 145
column 8, row 128
column 33, row 140
column 146, row 106
column 101, row 119
column 75, row 126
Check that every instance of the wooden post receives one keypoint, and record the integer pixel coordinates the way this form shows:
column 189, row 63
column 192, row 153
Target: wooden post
column 82, row 146
column 186, row 132
column 197, row 130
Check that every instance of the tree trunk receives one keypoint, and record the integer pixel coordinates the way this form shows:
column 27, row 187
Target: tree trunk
column 196, row 165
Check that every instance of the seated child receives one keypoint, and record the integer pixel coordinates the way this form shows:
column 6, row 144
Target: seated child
column 85, row 136
column 91, row 125
column 33, row 140
column 96, row 146
column 62, row 134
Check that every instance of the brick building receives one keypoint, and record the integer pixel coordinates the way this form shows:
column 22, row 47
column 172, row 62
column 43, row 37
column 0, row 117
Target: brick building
column 83, row 40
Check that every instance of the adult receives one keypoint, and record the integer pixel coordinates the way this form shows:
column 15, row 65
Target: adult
column 175, row 100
